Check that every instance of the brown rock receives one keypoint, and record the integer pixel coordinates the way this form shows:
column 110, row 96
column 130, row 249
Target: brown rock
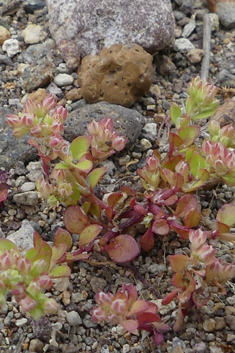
column 74, row 94
column 4, row 34
column 195, row 55
column 118, row 75
column 225, row 114
column 37, row 96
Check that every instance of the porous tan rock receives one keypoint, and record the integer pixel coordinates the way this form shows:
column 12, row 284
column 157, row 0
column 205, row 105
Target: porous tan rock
column 119, row 75
column 195, row 55
column 4, row 34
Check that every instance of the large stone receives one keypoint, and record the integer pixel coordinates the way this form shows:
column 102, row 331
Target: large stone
column 118, row 75
column 225, row 9
column 126, row 121
column 89, row 26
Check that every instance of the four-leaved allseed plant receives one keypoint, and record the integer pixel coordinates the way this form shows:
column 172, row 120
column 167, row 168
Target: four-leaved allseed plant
column 167, row 203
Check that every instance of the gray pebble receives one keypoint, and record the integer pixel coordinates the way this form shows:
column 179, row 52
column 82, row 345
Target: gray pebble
column 183, row 45
column 73, row 318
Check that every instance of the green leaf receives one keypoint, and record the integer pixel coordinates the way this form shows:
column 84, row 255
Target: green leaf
column 196, row 163
column 6, row 244
column 188, row 134
column 175, row 113
column 61, row 166
column 95, row 176
column 89, row 234
column 80, row 146
column 84, row 166
column 203, row 115
column 189, row 105
column 60, row 271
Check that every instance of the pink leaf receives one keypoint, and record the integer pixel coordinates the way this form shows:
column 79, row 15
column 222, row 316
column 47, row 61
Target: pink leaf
column 123, row 249
column 129, row 325
column 137, row 307
column 147, row 240
column 75, row 219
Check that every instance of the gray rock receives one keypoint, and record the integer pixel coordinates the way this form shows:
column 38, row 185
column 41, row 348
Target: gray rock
column 85, row 27
column 183, row 45
column 36, row 51
column 226, row 13
column 6, row 60
column 23, row 238
column 29, row 186
column 29, row 198
column 127, row 122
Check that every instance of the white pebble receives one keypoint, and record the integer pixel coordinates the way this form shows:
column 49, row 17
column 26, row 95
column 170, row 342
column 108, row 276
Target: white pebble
column 21, row 322
column 63, row 80
column 145, row 144
column 29, row 186
column 11, row 46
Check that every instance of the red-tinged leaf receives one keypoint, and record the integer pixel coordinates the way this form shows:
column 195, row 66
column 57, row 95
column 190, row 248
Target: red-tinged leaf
column 43, row 250
column 129, row 325
column 89, row 234
column 188, row 134
column 3, row 195
column 123, row 249
column 179, row 229
column 171, row 200
column 179, row 321
column 71, row 257
column 140, row 209
column 161, row 227
column 226, row 215
column 60, row 271
column 172, row 162
column 178, row 280
column 138, row 307
column 222, row 228
column 158, row 337
column 75, row 220
column 109, row 213
column 178, row 262
column 203, row 174
column 128, row 190
column 145, row 318
column 167, row 175
column 147, row 240
column 113, row 199
column 62, row 236
column 185, row 204
column 175, row 141
column 84, row 166
column 192, row 218
column 169, row 297
column 79, row 146
column 95, row 176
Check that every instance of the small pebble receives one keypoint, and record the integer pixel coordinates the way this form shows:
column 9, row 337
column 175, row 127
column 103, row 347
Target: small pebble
column 63, row 80
column 145, row 144
column 73, row 318
column 183, row 45
column 12, row 47
column 209, row 325
column 21, row 322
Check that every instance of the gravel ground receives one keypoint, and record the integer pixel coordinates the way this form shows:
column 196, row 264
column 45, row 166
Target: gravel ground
column 210, row 329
